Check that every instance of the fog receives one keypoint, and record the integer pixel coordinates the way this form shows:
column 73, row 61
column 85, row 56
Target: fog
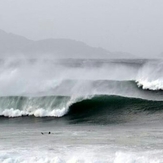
column 133, row 26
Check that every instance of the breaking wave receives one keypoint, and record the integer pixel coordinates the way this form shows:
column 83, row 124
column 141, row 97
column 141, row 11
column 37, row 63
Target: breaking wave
column 60, row 106
column 150, row 76
column 46, row 87
column 34, row 106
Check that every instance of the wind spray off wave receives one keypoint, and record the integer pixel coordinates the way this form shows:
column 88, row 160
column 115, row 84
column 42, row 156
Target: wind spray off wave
column 46, row 87
column 89, row 111
column 150, row 76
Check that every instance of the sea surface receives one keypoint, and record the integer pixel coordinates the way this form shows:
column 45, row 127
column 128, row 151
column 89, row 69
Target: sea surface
column 81, row 110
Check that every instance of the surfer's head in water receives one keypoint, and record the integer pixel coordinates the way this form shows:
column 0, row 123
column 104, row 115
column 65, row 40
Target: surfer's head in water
column 45, row 133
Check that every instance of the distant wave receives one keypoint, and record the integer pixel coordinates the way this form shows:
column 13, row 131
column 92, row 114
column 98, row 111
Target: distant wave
column 150, row 76
column 67, row 77
column 150, row 85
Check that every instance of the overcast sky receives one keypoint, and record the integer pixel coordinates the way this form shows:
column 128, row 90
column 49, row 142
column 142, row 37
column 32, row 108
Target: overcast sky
column 134, row 26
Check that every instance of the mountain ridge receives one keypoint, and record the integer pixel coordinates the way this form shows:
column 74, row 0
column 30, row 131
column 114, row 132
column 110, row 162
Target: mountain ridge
column 13, row 44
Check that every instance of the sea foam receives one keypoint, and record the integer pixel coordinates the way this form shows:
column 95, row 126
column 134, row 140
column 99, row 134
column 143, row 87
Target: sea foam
column 118, row 157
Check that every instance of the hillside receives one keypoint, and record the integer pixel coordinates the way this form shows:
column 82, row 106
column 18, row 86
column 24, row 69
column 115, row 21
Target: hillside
column 11, row 43
column 58, row 48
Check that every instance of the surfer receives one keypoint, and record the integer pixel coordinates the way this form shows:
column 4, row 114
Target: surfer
column 44, row 133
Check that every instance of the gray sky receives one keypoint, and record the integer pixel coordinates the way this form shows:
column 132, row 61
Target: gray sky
column 134, row 26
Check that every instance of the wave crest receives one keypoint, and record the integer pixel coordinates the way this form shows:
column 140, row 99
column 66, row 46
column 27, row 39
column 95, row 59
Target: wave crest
column 150, row 76
column 51, row 106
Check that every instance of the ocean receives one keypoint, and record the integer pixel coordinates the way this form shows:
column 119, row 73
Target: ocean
column 81, row 110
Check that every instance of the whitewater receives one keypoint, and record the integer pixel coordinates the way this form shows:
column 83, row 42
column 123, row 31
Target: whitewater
column 81, row 110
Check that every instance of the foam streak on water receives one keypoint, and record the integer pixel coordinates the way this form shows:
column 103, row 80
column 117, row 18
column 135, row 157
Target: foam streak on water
column 118, row 157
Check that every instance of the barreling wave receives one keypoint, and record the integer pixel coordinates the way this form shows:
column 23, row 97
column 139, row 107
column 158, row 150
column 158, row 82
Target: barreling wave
column 59, row 106
column 57, row 88
column 112, row 109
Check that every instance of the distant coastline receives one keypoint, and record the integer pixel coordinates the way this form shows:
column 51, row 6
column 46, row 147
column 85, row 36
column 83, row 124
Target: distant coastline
column 12, row 44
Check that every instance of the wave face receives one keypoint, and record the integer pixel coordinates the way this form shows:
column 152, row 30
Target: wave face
column 48, row 87
column 112, row 109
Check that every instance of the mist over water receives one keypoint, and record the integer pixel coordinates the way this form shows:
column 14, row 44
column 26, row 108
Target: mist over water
column 48, row 86
column 95, row 110
column 35, row 77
